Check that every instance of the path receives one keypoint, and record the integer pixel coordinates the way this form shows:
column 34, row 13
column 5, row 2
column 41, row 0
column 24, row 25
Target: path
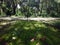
column 10, row 20
column 18, row 18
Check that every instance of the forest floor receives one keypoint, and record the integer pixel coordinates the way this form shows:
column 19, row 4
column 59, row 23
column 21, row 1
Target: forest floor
column 43, row 31
column 28, row 32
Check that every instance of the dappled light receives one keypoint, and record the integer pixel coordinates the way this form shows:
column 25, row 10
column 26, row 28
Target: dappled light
column 29, row 22
column 30, row 33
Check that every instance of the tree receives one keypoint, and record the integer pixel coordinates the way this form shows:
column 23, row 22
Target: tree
column 26, row 11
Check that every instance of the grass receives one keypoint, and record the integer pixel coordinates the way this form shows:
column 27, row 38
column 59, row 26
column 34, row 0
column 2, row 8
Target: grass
column 30, row 33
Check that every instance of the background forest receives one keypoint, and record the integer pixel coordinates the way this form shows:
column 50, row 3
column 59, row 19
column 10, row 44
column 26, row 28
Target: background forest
column 30, row 8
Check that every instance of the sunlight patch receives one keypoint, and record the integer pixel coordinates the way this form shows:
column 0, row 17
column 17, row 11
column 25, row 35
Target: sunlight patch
column 13, row 38
column 32, row 40
column 32, row 27
column 39, row 36
column 38, row 43
column 16, row 29
column 26, row 28
column 39, row 25
column 3, row 23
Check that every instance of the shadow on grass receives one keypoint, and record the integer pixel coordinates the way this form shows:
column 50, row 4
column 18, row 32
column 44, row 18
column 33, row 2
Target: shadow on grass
column 30, row 33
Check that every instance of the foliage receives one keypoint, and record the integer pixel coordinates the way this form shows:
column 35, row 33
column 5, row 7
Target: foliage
column 26, row 10
column 30, row 33
column 51, row 8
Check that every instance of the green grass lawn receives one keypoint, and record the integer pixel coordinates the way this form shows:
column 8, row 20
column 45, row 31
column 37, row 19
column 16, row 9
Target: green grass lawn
column 30, row 33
